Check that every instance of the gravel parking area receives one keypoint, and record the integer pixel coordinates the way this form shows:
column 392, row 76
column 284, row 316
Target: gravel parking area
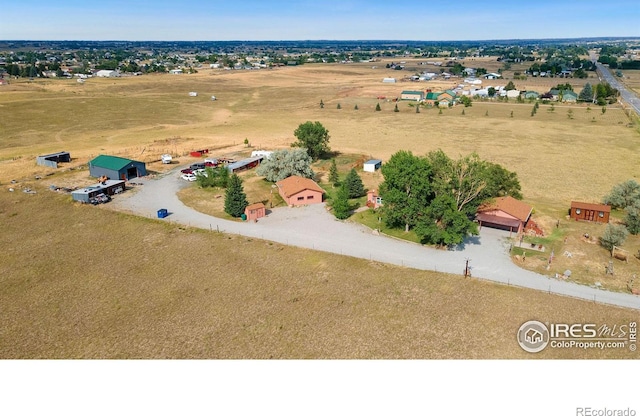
column 314, row 228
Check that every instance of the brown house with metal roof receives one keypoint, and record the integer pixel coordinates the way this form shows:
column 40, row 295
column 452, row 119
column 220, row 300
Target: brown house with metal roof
column 296, row 190
column 505, row 213
column 583, row 211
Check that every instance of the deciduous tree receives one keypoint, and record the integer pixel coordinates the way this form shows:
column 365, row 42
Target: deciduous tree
column 614, row 235
column 313, row 137
column 284, row 163
column 443, row 224
column 406, row 189
column 624, row 195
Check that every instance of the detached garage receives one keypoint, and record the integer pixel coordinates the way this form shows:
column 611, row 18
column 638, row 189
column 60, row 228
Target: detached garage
column 114, row 167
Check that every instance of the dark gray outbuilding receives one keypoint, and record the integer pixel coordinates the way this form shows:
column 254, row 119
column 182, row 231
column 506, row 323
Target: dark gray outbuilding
column 52, row 160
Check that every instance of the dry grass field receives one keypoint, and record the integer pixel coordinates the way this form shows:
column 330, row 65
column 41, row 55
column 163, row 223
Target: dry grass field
column 631, row 79
column 84, row 282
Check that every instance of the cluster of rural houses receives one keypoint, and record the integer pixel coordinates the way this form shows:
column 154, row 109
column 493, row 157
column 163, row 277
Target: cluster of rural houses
column 450, row 97
column 506, row 213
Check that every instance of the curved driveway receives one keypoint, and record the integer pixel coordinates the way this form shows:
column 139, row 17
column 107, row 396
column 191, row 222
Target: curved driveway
column 315, row 228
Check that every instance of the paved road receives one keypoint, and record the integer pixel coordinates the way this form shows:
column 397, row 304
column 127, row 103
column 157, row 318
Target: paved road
column 629, row 96
column 315, row 228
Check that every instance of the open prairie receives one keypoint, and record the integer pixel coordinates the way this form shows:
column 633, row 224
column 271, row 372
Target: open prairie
column 557, row 158
column 76, row 281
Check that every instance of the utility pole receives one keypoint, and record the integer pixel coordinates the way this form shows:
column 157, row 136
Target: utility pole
column 467, row 271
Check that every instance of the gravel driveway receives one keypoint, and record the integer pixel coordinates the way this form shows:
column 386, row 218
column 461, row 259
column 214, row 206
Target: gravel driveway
column 315, row 228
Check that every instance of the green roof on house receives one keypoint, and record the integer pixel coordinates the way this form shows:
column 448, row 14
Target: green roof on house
column 432, row 96
column 566, row 93
column 451, row 92
column 110, row 162
column 412, row 92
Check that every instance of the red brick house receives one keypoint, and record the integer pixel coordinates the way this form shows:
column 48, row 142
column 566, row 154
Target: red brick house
column 255, row 211
column 296, row 190
column 506, row 213
column 582, row 211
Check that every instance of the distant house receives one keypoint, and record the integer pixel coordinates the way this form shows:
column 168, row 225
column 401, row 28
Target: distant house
column 483, row 92
column 449, row 95
column 506, row 213
column 255, row 211
column 175, row 71
column 372, row 165
column 513, row 94
column 115, row 168
column 531, row 95
column 412, row 95
column 569, row 96
column 431, row 98
column 389, row 80
column 107, row 73
column 373, row 199
column 555, row 95
column 492, row 75
column 296, row 190
column 582, row 211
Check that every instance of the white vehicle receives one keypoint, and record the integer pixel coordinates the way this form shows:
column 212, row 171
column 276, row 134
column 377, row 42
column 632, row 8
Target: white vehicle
column 188, row 177
column 166, row 158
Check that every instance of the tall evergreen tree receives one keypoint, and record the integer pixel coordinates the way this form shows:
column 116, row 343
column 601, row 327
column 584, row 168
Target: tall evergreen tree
column 333, row 172
column 341, row 208
column 235, row 199
column 354, row 184
column 587, row 93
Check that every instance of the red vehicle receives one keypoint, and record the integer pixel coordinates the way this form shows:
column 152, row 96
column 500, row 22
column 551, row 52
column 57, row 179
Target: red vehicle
column 186, row 171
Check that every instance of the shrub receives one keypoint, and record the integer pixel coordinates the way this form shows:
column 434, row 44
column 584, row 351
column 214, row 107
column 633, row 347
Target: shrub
column 614, row 235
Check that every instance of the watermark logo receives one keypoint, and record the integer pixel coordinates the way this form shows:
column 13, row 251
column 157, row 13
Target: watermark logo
column 535, row 336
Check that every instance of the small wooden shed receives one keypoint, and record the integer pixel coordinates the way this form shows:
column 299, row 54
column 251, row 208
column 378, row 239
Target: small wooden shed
column 583, row 211
column 255, row 211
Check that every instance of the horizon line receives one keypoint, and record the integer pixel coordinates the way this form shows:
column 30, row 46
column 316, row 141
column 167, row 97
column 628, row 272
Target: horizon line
column 325, row 40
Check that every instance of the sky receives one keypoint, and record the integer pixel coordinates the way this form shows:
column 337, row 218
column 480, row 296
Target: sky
column 215, row 20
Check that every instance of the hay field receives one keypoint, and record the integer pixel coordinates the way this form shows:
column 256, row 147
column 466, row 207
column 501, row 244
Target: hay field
column 84, row 282
column 557, row 159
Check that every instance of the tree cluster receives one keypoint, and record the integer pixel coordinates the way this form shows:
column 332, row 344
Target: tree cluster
column 437, row 196
column 351, row 187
